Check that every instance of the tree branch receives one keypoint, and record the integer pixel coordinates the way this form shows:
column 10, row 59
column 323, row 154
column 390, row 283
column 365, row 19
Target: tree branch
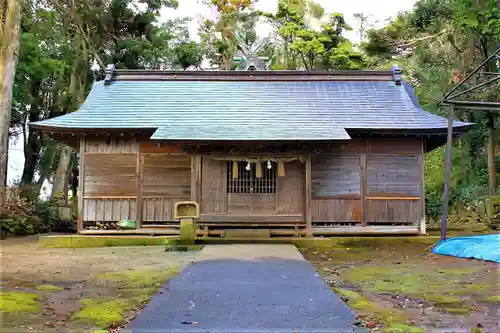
column 90, row 46
column 406, row 44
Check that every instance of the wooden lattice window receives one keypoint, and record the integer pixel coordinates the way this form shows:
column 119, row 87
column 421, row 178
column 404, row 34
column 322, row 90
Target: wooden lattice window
column 248, row 182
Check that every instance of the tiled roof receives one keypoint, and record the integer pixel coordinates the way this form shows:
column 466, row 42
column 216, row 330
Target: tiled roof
column 250, row 109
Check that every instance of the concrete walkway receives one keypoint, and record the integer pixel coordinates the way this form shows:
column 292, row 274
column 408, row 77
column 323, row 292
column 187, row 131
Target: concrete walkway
column 246, row 288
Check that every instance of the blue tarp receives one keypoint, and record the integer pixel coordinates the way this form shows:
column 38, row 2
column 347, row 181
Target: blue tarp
column 485, row 247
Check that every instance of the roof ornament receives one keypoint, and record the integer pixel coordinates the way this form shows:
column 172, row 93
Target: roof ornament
column 110, row 72
column 396, row 75
column 249, row 59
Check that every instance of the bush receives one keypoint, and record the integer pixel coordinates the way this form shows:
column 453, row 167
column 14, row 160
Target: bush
column 16, row 204
column 23, row 217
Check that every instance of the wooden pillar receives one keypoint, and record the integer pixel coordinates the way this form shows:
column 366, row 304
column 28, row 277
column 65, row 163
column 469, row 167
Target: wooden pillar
column 422, row 227
column 139, row 179
column 308, row 196
column 363, row 179
column 81, row 182
column 196, row 178
column 447, row 172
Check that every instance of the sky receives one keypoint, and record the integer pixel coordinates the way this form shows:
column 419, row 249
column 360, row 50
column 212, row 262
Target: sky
column 378, row 12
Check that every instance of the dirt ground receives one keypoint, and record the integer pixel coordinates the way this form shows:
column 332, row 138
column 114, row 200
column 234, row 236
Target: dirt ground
column 405, row 288
column 62, row 290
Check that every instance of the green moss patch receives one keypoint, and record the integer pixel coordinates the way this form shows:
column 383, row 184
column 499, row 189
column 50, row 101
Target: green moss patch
column 414, row 281
column 392, row 319
column 362, row 242
column 48, row 287
column 308, row 243
column 459, row 311
column 133, row 288
column 18, row 302
column 102, row 241
column 403, row 328
column 102, row 312
column 146, row 278
column 442, row 300
column 492, row 299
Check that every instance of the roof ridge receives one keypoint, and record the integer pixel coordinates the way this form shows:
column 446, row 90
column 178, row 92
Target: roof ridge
column 113, row 74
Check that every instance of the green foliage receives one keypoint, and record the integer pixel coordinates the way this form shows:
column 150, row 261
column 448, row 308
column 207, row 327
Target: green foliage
column 188, row 54
column 219, row 37
column 437, row 43
column 24, row 217
column 304, row 47
column 47, row 213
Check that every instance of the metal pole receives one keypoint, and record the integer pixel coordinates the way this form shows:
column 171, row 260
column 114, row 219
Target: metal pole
column 447, row 172
column 470, row 74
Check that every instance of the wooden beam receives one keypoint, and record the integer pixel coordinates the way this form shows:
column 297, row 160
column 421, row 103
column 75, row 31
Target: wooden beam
column 138, row 206
column 110, row 197
column 248, row 219
column 308, row 196
column 393, row 198
column 81, row 182
column 196, row 178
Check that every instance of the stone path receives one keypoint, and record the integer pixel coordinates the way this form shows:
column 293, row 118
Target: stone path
column 246, row 288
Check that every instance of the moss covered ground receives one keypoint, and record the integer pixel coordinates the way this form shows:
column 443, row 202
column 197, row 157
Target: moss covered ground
column 79, row 290
column 404, row 288
column 16, row 301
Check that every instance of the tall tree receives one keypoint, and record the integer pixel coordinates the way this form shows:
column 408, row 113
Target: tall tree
column 100, row 31
column 218, row 36
column 438, row 43
column 10, row 16
column 303, row 47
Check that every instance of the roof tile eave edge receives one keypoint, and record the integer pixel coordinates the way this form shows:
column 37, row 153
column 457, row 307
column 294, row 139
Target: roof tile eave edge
column 70, row 129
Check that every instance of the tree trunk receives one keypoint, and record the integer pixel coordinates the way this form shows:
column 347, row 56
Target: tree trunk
column 61, row 175
column 74, row 176
column 492, row 169
column 10, row 16
column 32, row 143
column 59, row 188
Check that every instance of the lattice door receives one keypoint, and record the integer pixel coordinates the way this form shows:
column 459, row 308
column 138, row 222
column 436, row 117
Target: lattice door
column 251, row 194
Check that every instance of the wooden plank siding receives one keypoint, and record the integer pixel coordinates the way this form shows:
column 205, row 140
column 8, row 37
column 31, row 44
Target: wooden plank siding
column 362, row 181
column 126, row 179
column 369, row 181
column 336, row 187
column 166, row 179
column 213, row 186
column 290, row 189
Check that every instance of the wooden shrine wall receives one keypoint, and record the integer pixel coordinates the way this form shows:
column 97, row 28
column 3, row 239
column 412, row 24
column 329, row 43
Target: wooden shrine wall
column 377, row 180
column 127, row 179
